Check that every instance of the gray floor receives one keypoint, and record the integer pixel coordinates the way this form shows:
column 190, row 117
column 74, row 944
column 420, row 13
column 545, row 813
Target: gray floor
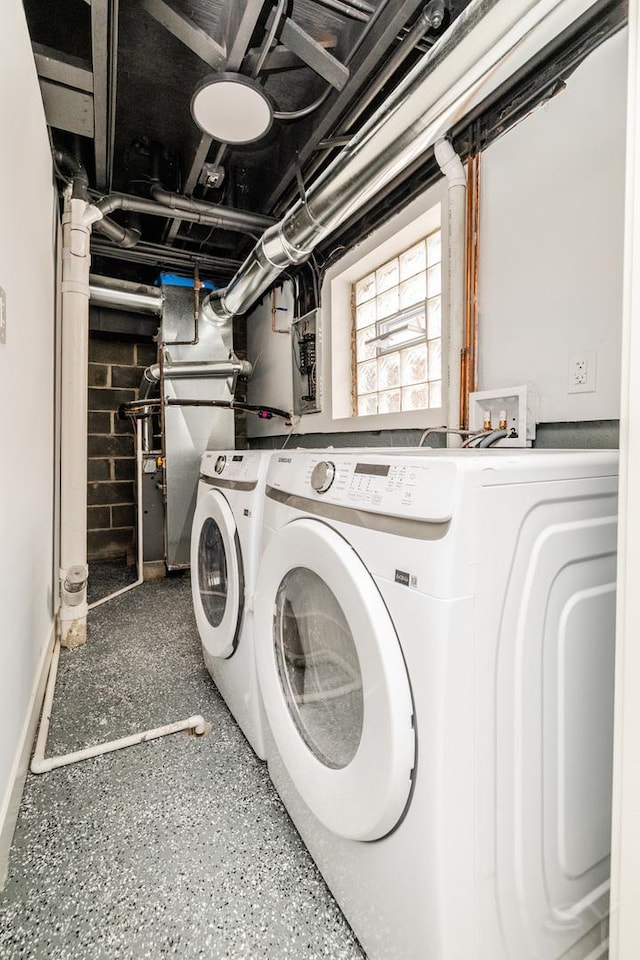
column 176, row 848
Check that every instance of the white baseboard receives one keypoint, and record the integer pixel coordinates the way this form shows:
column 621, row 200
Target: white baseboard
column 10, row 805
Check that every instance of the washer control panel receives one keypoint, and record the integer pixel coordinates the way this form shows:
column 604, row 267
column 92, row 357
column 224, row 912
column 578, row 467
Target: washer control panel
column 230, row 466
column 397, row 486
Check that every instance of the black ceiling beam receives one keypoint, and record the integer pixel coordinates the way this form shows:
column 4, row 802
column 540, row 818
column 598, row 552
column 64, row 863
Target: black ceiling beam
column 393, row 17
column 281, row 59
column 63, row 68
column 238, row 29
column 104, row 20
column 298, row 41
column 239, row 25
column 195, row 39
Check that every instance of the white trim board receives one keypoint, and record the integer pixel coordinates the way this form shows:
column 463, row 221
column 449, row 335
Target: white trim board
column 10, row 806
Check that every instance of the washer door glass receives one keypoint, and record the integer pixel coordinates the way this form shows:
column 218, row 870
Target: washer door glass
column 217, row 579
column 333, row 681
column 319, row 667
column 212, row 572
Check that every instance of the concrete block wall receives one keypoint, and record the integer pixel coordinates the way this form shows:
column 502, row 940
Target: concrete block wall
column 115, row 370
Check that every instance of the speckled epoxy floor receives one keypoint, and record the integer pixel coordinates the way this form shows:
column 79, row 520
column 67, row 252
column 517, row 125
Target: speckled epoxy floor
column 176, row 848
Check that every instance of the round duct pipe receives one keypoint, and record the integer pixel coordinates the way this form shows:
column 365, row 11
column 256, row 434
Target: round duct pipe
column 124, row 295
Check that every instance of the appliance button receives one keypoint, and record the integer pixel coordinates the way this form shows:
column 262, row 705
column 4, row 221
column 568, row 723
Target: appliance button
column 322, row 476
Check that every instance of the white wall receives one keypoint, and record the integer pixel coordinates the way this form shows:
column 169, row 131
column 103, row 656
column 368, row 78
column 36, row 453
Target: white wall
column 27, row 219
column 551, row 241
column 625, row 851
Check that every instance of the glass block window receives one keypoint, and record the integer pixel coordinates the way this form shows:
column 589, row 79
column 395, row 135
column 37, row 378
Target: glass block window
column 397, row 333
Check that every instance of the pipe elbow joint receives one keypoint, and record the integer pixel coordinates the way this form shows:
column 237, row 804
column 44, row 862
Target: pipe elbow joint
column 450, row 163
column 213, row 308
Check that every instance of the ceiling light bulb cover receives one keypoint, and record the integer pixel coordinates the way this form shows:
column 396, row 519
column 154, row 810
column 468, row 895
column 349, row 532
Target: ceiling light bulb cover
column 231, row 108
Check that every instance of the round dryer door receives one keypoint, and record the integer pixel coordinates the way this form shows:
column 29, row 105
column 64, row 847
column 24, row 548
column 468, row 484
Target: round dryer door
column 217, row 577
column 334, row 681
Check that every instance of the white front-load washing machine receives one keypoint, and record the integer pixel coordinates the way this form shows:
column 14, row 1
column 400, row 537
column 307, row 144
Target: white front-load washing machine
column 435, row 647
column 225, row 545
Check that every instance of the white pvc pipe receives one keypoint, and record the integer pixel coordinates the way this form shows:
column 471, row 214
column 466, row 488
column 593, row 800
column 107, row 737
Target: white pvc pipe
column 73, row 415
column 139, row 525
column 452, row 168
column 39, row 764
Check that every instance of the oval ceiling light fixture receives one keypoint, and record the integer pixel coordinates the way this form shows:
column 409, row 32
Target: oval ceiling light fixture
column 231, row 108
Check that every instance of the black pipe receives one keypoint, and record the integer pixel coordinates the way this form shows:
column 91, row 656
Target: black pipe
column 123, row 236
column 194, row 211
column 243, row 219
column 131, row 407
column 63, row 160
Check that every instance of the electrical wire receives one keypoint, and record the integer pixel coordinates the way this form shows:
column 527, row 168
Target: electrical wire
column 305, row 111
column 493, row 438
column 268, row 39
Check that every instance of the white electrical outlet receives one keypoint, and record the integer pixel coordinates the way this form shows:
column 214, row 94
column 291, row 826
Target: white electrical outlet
column 582, row 372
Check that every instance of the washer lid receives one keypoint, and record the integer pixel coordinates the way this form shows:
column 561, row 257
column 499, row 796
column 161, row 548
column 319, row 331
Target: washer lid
column 334, row 681
column 217, row 574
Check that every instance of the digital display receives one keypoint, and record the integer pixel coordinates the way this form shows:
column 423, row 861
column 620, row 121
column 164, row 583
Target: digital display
column 237, row 458
column 373, row 469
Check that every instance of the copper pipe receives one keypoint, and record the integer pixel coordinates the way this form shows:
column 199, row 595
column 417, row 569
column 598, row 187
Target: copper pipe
column 464, row 365
column 469, row 356
column 476, row 271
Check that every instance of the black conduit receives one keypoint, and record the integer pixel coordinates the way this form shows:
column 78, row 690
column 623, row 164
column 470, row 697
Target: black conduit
column 262, row 411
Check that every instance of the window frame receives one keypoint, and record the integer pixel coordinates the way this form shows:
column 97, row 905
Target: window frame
column 426, row 213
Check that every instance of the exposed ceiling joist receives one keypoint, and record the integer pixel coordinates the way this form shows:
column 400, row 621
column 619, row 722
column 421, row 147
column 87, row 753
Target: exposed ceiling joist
column 281, row 59
column 63, row 68
column 100, row 47
column 199, row 42
column 239, row 27
column 298, row 41
column 393, row 17
column 67, row 109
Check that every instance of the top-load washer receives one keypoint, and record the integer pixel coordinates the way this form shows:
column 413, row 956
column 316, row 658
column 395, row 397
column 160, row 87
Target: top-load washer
column 224, row 557
column 435, row 646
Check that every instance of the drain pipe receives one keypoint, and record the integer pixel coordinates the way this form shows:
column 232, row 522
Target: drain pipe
column 41, row 764
column 77, row 219
column 452, row 168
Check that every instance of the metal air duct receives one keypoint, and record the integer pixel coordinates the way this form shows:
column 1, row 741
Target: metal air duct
column 124, row 295
column 464, row 63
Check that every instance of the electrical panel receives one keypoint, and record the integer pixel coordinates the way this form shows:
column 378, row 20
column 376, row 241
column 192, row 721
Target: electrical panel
column 305, row 352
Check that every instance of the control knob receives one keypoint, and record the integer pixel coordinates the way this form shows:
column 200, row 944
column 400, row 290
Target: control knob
column 323, row 476
column 219, row 464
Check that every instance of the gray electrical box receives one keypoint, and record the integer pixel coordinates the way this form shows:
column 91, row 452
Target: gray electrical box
column 306, row 373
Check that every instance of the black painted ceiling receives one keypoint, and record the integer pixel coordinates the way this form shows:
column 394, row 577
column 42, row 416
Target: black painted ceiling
column 118, row 77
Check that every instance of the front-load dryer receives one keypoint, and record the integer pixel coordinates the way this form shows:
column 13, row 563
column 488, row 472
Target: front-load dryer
column 225, row 545
column 435, row 643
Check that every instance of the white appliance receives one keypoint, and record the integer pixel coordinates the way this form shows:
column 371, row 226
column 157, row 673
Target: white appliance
column 224, row 557
column 435, row 647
